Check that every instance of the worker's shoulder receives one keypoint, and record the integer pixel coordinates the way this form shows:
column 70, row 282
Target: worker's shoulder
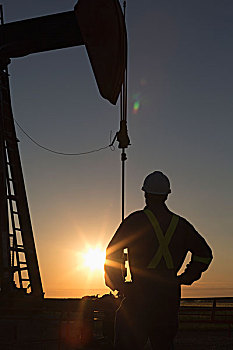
column 136, row 216
column 184, row 223
column 140, row 215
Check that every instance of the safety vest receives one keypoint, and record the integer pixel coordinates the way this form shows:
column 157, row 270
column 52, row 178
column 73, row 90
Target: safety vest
column 164, row 240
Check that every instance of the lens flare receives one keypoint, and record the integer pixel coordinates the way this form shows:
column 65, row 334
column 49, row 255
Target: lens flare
column 136, row 107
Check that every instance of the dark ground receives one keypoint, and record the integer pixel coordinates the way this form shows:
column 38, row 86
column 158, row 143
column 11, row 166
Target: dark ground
column 195, row 340
column 204, row 340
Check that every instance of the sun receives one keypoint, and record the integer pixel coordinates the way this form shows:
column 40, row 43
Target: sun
column 94, row 259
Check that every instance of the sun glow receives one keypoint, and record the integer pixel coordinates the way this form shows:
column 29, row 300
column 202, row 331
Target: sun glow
column 94, row 259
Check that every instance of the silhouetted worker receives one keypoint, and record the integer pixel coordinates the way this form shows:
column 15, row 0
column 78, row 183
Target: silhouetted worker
column 157, row 241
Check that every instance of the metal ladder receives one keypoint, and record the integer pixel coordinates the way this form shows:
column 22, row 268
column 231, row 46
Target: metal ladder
column 19, row 269
column 17, row 251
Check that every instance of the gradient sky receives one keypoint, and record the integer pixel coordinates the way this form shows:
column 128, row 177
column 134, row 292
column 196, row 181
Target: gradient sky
column 180, row 73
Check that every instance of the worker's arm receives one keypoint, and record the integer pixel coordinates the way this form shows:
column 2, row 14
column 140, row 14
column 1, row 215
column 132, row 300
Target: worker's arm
column 201, row 256
column 114, row 257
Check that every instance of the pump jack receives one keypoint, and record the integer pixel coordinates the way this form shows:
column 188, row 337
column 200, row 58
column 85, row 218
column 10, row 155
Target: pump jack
column 19, row 269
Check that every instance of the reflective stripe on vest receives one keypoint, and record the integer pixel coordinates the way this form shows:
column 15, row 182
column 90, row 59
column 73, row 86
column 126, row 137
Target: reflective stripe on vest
column 201, row 259
column 164, row 240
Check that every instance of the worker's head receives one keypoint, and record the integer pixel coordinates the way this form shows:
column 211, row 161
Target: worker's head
column 156, row 187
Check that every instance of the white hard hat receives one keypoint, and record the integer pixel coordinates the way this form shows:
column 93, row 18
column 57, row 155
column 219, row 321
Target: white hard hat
column 156, row 183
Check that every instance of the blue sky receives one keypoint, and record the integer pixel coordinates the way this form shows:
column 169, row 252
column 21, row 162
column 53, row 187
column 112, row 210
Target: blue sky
column 180, row 71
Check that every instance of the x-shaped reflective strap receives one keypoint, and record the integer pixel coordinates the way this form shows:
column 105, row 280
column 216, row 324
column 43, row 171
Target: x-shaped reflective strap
column 164, row 240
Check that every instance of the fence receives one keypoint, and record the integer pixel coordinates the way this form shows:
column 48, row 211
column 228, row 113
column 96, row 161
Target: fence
column 215, row 311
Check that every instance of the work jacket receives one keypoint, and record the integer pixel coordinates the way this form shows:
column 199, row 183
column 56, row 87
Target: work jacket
column 153, row 260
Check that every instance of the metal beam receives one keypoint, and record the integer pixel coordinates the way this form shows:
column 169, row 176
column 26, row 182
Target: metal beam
column 21, row 38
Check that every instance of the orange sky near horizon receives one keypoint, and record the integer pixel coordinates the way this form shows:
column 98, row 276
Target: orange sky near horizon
column 77, row 279
column 65, row 275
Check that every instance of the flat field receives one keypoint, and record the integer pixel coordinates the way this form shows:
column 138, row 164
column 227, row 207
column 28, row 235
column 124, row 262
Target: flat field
column 203, row 340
